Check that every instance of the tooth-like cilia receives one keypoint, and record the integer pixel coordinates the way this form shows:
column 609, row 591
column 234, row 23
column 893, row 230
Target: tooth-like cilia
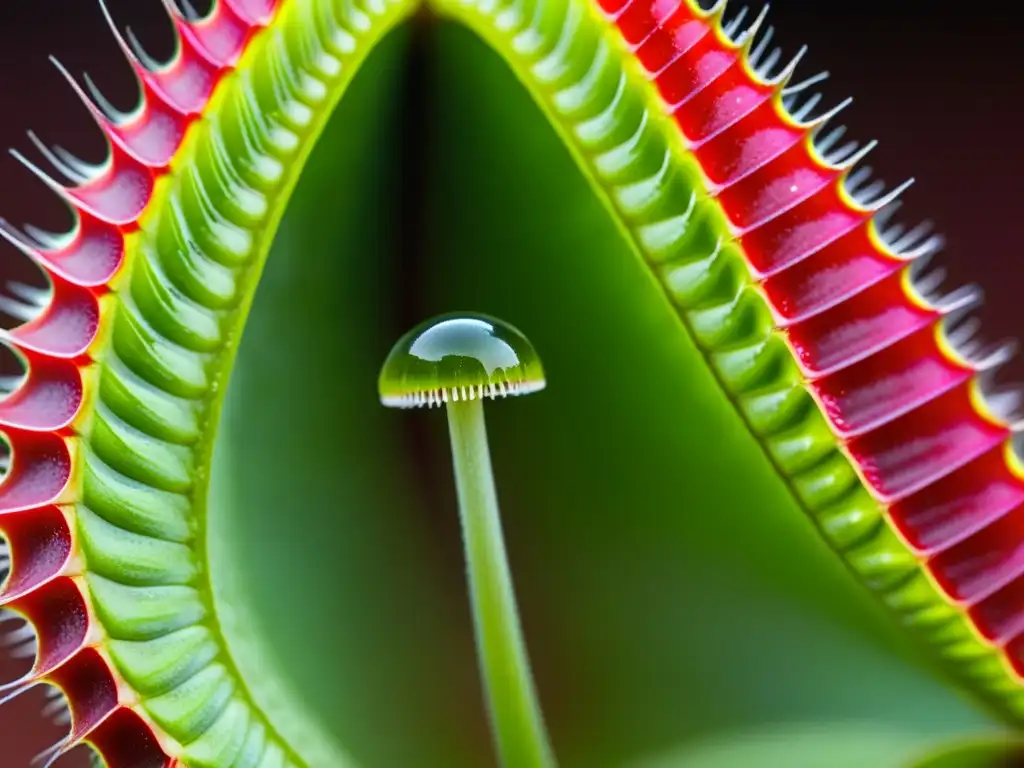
column 867, row 388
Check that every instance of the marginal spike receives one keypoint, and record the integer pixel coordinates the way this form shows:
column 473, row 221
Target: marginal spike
column 96, row 97
column 746, row 38
column 967, row 344
column 11, row 691
column 49, row 756
column 926, row 283
column 92, row 695
column 806, row 83
column 756, row 52
column 42, row 175
column 801, row 113
column 715, row 13
column 899, row 239
column 86, row 170
column 121, row 40
column 41, row 238
column 963, row 318
column 140, row 53
column 962, row 331
column 890, row 197
column 820, row 121
column 865, row 195
column 926, row 249
column 850, row 161
column 824, row 145
column 186, row 11
column 74, row 171
column 185, row 84
column 117, row 195
column 781, row 80
column 26, row 650
column 151, row 134
column 857, row 176
column 916, row 237
column 732, row 29
column 768, row 64
column 97, row 104
column 56, row 709
column 37, row 297
column 1002, row 402
column 22, row 311
column 883, row 216
column 963, row 298
column 11, row 638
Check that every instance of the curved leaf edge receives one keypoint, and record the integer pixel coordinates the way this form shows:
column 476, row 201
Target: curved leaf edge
column 111, row 428
column 727, row 189
column 661, row 191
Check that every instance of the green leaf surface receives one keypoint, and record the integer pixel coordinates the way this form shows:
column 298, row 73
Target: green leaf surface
column 669, row 584
column 311, row 510
column 836, row 745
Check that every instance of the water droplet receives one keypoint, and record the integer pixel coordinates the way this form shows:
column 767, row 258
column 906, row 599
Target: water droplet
column 459, row 356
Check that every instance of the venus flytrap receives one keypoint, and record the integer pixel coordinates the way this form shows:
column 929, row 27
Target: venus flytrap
column 759, row 234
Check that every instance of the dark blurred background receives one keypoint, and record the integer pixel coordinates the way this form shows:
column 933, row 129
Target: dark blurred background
column 939, row 86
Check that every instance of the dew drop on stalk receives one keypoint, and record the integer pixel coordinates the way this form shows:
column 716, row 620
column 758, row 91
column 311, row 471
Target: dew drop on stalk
column 457, row 361
column 459, row 357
